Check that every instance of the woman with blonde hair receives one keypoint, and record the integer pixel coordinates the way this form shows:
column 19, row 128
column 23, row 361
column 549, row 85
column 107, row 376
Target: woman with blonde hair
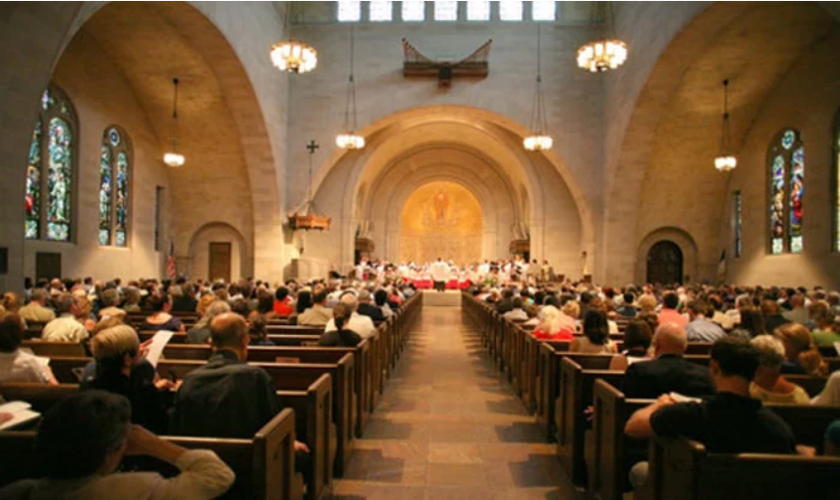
column 551, row 326
column 204, row 302
column 84, row 307
column 801, row 355
column 120, row 368
column 647, row 303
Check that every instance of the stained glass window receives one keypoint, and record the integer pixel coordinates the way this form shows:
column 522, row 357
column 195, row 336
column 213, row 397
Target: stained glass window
column 543, row 11
column 349, row 10
column 478, row 10
column 786, row 160
column 33, row 185
column 413, row 10
column 510, row 10
column 381, row 11
column 50, row 170
column 446, row 10
column 106, row 204
column 738, row 216
column 114, row 170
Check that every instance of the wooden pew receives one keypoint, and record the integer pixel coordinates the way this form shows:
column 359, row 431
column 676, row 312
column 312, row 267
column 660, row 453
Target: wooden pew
column 285, row 376
column 313, row 417
column 613, row 452
column 684, row 470
column 291, row 340
column 317, row 355
column 264, row 465
column 49, row 348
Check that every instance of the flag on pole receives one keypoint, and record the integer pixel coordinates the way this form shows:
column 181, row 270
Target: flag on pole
column 170, row 264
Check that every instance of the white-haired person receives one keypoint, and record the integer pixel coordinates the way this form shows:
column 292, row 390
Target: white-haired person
column 768, row 385
column 358, row 323
column 551, row 327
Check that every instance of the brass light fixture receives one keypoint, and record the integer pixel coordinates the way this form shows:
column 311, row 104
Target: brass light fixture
column 293, row 56
column 348, row 139
column 725, row 161
column 539, row 140
column 604, row 54
column 173, row 158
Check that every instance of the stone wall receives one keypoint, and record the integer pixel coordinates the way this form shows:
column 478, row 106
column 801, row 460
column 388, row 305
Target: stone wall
column 102, row 97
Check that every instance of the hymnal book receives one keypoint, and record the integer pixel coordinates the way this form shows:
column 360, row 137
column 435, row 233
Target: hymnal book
column 21, row 413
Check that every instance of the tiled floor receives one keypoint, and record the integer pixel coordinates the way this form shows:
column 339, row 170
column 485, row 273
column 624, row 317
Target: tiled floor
column 448, row 427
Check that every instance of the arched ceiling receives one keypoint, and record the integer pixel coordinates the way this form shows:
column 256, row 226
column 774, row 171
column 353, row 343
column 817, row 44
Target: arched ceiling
column 667, row 154
column 146, row 41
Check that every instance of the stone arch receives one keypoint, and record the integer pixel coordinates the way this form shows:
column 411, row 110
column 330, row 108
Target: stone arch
column 399, row 139
column 678, row 236
column 198, row 257
column 673, row 129
column 215, row 32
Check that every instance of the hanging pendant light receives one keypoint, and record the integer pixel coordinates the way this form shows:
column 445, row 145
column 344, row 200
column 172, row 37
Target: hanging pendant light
column 349, row 139
column 725, row 161
column 540, row 140
column 293, row 56
column 605, row 54
column 173, row 158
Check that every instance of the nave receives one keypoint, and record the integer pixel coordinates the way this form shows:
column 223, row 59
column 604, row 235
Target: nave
column 449, row 427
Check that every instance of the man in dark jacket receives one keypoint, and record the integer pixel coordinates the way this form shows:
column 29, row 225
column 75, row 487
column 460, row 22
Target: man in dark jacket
column 366, row 308
column 669, row 372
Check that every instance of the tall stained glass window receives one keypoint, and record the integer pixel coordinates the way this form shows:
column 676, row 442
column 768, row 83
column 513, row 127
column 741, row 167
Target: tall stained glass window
column 51, row 169
column 737, row 215
column 381, row 11
column 510, row 10
column 446, row 10
column 413, row 10
column 786, row 160
column 114, row 170
column 478, row 10
column 542, row 10
column 349, row 10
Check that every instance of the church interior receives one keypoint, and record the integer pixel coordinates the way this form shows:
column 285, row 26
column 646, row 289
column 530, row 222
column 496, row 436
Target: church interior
column 290, row 150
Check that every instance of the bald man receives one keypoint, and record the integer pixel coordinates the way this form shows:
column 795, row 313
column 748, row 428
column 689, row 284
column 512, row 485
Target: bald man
column 669, row 371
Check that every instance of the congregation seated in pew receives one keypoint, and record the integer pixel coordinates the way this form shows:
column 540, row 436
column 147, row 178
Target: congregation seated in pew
column 637, row 346
column 160, row 317
column 342, row 336
column 82, row 440
column 227, row 397
column 200, row 332
column 769, row 385
column 358, row 323
column 728, row 422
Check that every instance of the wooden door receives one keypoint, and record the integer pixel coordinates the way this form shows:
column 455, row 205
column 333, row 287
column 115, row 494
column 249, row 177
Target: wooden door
column 220, row 255
column 665, row 263
column 47, row 265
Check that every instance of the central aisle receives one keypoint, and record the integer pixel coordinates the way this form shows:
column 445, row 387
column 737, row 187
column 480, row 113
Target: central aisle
column 448, row 427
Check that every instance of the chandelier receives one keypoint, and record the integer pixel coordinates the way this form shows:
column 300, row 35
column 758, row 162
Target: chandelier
column 539, row 140
column 292, row 56
column 602, row 55
column 725, row 161
column 349, row 139
column 173, row 158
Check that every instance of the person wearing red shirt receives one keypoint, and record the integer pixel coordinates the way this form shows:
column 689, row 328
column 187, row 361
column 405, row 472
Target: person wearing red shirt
column 282, row 302
column 550, row 327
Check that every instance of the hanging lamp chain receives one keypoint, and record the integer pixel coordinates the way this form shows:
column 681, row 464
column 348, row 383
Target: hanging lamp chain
column 350, row 114
column 538, row 116
column 175, row 116
column 724, row 140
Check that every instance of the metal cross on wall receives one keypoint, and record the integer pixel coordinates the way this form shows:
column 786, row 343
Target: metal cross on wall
column 312, row 146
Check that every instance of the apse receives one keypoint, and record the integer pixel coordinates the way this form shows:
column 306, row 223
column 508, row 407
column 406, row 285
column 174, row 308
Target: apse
column 441, row 220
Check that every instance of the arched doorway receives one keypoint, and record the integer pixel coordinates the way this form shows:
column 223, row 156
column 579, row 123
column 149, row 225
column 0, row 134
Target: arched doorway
column 665, row 263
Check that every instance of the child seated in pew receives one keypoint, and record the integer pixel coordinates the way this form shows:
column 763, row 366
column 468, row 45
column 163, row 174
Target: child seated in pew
column 257, row 330
column 728, row 422
column 81, row 442
column 16, row 365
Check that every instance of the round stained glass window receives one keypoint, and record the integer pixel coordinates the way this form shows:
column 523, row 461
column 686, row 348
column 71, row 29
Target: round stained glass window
column 114, row 137
column 788, row 139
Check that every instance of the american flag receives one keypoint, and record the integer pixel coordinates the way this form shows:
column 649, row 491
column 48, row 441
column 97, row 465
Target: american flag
column 170, row 265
